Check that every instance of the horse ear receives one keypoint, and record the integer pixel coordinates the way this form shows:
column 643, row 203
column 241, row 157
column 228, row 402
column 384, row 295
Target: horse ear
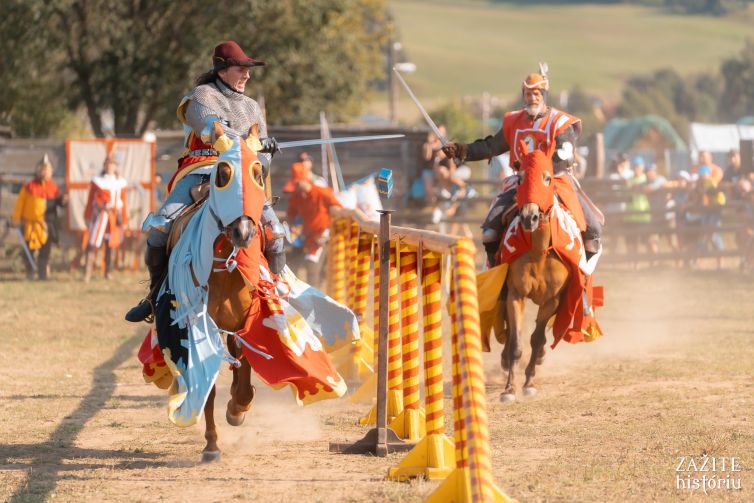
column 219, row 131
column 522, row 146
column 254, row 130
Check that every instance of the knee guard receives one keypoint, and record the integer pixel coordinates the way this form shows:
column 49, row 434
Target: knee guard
column 274, row 236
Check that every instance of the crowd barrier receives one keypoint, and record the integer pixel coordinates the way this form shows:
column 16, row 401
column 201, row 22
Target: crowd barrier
column 416, row 285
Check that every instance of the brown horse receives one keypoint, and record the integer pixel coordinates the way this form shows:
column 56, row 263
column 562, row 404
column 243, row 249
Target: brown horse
column 229, row 303
column 538, row 274
column 229, row 297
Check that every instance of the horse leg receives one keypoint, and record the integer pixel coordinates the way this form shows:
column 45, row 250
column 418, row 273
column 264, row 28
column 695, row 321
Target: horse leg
column 241, row 394
column 538, row 339
column 211, row 451
column 511, row 352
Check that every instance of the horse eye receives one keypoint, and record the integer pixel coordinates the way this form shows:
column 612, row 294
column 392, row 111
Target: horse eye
column 546, row 179
column 224, row 175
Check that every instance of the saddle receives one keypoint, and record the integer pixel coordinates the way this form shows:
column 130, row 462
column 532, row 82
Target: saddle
column 199, row 194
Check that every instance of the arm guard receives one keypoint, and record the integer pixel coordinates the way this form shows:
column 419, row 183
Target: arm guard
column 488, row 147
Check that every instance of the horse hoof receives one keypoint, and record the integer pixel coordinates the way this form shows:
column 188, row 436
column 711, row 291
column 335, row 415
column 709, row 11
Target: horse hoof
column 210, row 456
column 234, row 420
column 507, row 397
column 529, row 391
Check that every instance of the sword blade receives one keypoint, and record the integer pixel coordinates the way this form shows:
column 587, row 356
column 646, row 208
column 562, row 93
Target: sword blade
column 342, row 139
column 29, row 257
column 427, row 118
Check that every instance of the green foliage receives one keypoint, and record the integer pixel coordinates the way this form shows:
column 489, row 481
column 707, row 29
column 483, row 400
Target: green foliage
column 461, row 123
column 667, row 94
column 27, row 85
column 738, row 95
column 321, row 55
column 587, row 108
column 136, row 59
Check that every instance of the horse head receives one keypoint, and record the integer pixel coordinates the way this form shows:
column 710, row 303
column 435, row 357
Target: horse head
column 536, row 191
column 237, row 194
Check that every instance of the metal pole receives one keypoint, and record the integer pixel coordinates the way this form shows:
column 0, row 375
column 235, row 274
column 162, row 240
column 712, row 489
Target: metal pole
column 392, row 95
column 381, row 448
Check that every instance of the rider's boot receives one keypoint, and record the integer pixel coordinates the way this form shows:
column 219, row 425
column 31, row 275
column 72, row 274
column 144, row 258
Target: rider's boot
column 156, row 259
column 593, row 251
column 491, row 249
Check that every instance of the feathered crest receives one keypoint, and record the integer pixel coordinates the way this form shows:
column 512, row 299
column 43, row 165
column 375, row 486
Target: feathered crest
column 543, row 69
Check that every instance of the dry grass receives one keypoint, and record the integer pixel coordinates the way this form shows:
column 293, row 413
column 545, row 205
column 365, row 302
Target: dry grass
column 672, row 377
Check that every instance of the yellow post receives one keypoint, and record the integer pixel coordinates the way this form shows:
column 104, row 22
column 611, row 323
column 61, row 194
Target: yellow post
column 409, row 424
column 472, row 480
column 338, row 292
column 434, row 456
column 354, row 362
column 368, row 390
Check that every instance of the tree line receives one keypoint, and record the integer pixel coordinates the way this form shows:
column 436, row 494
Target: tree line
column 127, row 63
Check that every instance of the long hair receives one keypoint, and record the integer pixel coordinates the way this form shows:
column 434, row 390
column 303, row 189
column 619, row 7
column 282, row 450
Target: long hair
column 206, row 77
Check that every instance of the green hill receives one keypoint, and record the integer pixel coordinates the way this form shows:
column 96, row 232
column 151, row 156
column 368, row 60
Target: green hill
column 468, row 47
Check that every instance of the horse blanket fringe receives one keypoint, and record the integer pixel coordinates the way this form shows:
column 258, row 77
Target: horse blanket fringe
column 278, row 339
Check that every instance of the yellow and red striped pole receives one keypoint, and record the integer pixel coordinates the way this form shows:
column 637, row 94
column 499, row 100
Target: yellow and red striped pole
column 368, row 390
column 472, row 480
column 394, row 348
column 337, row 271
column 434, row 456
column 352, row 247
column 409, row 424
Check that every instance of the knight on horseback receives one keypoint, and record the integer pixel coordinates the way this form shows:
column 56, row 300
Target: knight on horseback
column 537, row 125
column 218, row 97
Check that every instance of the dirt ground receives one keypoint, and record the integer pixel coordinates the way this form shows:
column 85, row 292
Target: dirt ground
column 672, row 377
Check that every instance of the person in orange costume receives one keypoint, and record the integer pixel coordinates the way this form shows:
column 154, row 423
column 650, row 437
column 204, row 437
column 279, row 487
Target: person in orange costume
column 537, row 125
column 35, row 213
column 106, row 214
column 312, row 203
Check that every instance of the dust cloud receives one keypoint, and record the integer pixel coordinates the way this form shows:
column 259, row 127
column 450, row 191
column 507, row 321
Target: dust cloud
column 275, row 417
column 643, row 317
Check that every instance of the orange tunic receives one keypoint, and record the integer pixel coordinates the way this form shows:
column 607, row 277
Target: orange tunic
column 538, row 133
column 314, row 209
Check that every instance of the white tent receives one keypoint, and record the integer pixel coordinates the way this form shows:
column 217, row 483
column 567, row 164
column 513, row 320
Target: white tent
column 717, row 138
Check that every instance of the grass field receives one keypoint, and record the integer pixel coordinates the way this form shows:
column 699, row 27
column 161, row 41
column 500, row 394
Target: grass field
column 672, row 377
column 468, row 47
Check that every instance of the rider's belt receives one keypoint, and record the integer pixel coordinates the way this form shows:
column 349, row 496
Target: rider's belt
column 203, row 152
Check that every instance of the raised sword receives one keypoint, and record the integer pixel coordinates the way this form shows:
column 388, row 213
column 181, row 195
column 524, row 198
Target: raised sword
column 427, row 118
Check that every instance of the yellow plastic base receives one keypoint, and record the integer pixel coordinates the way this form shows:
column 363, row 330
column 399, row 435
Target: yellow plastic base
column 353, row 361
column 366, row 392
column 433, row 458
column 457, row 489
column 410, row 425
column 394, row 407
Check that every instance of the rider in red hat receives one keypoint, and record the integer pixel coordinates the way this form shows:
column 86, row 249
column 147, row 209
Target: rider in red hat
column 218, row 97
column 537, row 125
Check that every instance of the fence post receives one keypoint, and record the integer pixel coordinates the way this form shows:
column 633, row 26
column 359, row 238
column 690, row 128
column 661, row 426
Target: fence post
column 471, row 481
column 434, row 456
column 409, row 424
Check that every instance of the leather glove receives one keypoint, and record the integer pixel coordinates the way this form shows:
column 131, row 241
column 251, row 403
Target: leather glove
column 455, row 151
column 269, row 145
